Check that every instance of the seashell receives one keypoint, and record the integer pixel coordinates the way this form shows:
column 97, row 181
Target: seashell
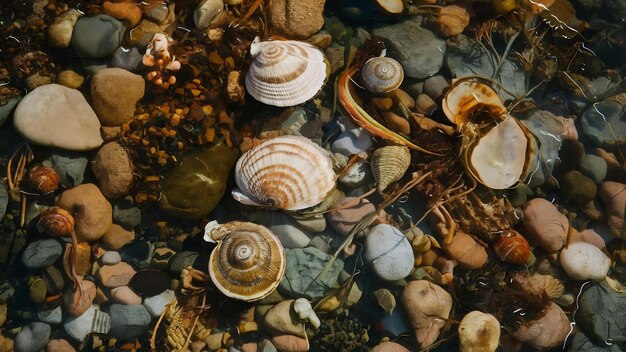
column 512, row 247
column 389, row 165
column 472, row 101
column 56, row 222
column 285, row 73
column 287, row 172
column 538, row 284
column 248, row 262
column 43, row 179
column 382, row 74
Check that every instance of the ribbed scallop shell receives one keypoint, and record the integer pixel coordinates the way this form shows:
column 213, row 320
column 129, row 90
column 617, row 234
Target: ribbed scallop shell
column 471, row 100
column 389, row 165
column 382, row 74
column 287, row 172
column 248, row 262
column 538, row 284
column 285, row 73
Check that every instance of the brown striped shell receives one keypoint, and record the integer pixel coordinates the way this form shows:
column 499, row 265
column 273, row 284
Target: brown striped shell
column 43, row 179
column 471, row 101
column 389, row 165
column 287, row 172
column 382, row 74
column 248, row 262
column 285, row 73
column 538, row 284
column 56, row 222
column 512, row 247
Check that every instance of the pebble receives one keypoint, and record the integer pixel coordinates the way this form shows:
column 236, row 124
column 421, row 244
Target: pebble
column 544, row 224
column 128, row 12
column 93, row 320
column 357, row 175
column 150, row 282
column 98, row 36
column 206, row 12
column 479, row 331
column 157, row 14
column 113, row 168
column 549, row 331
column 76, row 303
column 435, row 86
column 284, row 227
column 125, row 295
column 349, row 212
column 296, row 19
column 126, row 58
column 6, row 109
column 593, row 167
column 126, row 214
column 302, row 266
column 352, row 142
column 60, row 31
column 424, row 104
column 290, row 343
column 613, row 196
column 280, row 320
column 110, row 258
column 604, row 123
column 128, row 321
column 41, row 253
column 92, row 212
column 70, row 79
column 36, row 289
column 418, row 61
column 115, row 275
column 389, row 346
column 180, row 260
column 578, row 187
column 584, row 261
column 53, row 115
column 69, row 166
column 59, row 345
column 155, row 305
column 602, row 313
column 33, row 337
column 466, row 251
column 52, row 316
column 424, row 302
column 389, row 252
column 115, row 92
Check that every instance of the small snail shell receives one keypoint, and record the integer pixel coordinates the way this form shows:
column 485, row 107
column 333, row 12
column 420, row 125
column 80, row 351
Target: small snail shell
column 56, row 222
column 382, row 75
column 512, row 247
column 43, row 179
column 389, row 165
column 248, row 262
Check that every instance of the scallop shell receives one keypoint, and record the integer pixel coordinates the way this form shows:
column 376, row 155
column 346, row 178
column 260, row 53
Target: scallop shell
column 382, row 74
column 248, row 262
column 285, row 73
column 538, row 284
column 389, row 165
column 287, row 172
column 473, row 101
column 512, row 247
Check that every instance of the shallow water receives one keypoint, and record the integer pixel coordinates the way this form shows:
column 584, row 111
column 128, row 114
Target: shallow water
column 488, row 176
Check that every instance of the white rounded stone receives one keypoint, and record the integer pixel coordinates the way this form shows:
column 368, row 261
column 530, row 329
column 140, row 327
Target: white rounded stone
column 389, row 252
column 584, row 261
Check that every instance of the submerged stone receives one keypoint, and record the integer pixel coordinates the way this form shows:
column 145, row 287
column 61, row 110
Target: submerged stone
column 98, row 36
column 192, row 189
column 602, row 313
column 303, row 267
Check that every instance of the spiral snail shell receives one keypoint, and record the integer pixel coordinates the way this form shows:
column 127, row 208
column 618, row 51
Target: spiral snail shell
column 287, row 172
column 382, row 74
column 56, row 222
column 285, row 73
column 512, row 247
column 248, row 262
column 43, row 179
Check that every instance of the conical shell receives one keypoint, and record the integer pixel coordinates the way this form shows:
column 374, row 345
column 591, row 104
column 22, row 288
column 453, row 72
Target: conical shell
column 287, row 172
column 248, row 262
column 382, row 75
column 285, row 73
column 389, row 165
column 471, row 101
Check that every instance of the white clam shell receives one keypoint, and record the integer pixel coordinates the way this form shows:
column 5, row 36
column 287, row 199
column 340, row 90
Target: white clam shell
column 382, row 74
column 287, row 172
column 285, row 73
column 466, row 98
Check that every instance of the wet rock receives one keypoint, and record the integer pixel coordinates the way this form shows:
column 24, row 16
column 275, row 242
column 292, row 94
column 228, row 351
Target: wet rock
column 155, row 305
column 110, row 258
column 9, row 100
column 424, row 303
column 53, row 280
column 281, row 320
column 124, row 295
column 52, row 316
column 448, row 21
column 548, row 331
column 126, row 214
column 389, row 346
column 128, row 321
column 290, row 343
column 206, row 12
column 352, row 142
column 613, row 195
column 193, row 189
column 296, row 19
column 578, row 187
column 115, row 92
column 117, row 237
column 33, row 337
column 544, row 224
column 36, row 289
column 60, row 31
column 56, row 116
column 579, row 342
column 126, row 58
column 70, row 79
column 77, row 303
column 418, row 61
column 302, row 267
column 584, row 261
column 479, row 331
column 115, row 275
column 113, row 168
column 349, row 212
column 593, row 167
column 97, row 36
column 435, row 86
column 602, row 313
column 389, row 252
column 42, row 253
column 157, row 14
column 59, row 345
column 180, row 260
column 93, row 320
column 604, row 123
column 150, row 282
column 284, row 227
column 129, row 12
column 70, row 166
column 92, row 212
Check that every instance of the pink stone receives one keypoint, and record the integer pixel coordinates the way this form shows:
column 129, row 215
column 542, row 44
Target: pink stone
column 290, row 343
column 77, row 303
column 389, row 346
column 589, row 236
column 59, row 345
column 547, row 332
column 124, row 295
column 115, row 275
column 613, row 195
column 350, row 211
column 545, row 225
column 426, row 304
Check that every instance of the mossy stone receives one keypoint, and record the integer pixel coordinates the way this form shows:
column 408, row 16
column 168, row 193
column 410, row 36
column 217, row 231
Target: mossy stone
column 192, row 189
column 578, row 187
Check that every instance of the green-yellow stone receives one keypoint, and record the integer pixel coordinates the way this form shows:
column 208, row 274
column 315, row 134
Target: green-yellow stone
column 192, row 189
